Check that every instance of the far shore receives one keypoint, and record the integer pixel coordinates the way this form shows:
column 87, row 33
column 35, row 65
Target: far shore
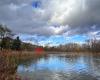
column 46, row 52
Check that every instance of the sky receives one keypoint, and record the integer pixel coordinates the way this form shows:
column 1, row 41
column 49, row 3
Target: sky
column 52, row 22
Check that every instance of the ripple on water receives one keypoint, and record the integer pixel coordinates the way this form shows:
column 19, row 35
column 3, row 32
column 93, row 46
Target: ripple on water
column 55, row 67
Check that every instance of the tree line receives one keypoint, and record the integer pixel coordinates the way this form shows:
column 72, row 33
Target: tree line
column 7, row 42
column 92, row 45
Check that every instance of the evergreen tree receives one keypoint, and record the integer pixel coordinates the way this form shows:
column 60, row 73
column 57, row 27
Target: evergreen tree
column 6, row 43
column 16, row 44
column 5, row 37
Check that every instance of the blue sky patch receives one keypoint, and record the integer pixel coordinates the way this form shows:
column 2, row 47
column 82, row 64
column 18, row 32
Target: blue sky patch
column 36, row 4
column 53, row 40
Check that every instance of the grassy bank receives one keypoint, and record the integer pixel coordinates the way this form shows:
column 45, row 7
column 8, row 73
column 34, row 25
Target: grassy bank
column 9, row 61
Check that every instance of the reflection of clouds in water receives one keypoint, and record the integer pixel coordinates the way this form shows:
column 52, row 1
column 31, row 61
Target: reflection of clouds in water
column 26, row 69
column 52, row 64
column 61, row 68
column 80, row 65
column 57, row 64
column 56, row 76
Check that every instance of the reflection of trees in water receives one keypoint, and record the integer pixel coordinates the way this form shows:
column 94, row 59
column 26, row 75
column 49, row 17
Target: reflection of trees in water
column 33, row 60
column 92, row 64
column 95, row 64
column 71, row 59
column 27, row 62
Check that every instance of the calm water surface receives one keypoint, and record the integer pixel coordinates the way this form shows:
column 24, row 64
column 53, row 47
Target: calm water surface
column 61, row 67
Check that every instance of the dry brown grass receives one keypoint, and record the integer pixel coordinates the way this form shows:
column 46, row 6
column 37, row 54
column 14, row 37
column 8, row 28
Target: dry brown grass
column 9, row 61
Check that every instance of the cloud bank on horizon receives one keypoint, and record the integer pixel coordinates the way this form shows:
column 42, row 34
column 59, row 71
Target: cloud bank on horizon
column 52, row 17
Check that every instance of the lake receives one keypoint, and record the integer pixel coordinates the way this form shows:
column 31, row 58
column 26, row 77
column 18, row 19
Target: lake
column 61, row 67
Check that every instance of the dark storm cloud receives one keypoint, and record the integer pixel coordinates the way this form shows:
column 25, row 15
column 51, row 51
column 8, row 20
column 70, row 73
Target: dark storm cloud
column 82, row 20
column 40, row 16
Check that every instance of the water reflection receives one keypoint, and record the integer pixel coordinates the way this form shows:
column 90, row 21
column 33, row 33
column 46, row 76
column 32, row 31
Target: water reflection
column 62, row 67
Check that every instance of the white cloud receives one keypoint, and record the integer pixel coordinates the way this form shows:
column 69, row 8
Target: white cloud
column 13, row 6
column 63, row 9
column 71, row 17
column 59, row 30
